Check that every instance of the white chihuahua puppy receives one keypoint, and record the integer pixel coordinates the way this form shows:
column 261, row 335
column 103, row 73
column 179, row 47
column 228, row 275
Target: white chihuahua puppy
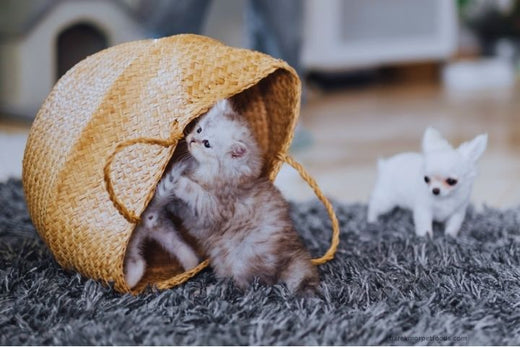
column 436, row 185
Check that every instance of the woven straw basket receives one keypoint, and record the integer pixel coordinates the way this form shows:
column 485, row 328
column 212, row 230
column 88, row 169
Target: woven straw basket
column 105, row 134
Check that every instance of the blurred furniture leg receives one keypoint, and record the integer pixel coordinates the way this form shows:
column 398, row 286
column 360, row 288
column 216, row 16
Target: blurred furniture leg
column 275, row 28
column 170, row 17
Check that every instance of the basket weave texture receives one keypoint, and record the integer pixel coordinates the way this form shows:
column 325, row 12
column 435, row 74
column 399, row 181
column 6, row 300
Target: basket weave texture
column 103, row 137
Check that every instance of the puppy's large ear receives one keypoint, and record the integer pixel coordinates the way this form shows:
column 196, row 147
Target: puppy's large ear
column 433, row 141
column 473, row 149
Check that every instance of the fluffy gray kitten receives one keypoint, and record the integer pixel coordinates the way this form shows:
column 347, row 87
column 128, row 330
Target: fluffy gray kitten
column 240, row 219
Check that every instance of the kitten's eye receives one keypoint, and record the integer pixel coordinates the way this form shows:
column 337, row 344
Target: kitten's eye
column 451, row 181
column 426, row 179
column 206, row 144
column 199, row 130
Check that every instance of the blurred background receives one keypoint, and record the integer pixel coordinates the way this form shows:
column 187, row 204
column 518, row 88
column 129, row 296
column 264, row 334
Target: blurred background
column 376, row 73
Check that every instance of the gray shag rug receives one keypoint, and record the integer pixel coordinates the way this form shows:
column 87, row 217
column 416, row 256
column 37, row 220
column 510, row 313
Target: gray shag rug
column 385, row 286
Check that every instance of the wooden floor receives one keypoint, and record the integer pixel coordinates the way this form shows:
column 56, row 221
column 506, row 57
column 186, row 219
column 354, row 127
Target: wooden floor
column 350, row 129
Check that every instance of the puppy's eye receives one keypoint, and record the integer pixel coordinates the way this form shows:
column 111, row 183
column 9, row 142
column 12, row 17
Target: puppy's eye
column 199, row 130
column 206, row 144
column 451, row 181
column 426, row 179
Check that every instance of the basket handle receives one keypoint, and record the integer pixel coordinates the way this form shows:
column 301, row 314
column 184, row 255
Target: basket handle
column 129, row 215
column 329, row 254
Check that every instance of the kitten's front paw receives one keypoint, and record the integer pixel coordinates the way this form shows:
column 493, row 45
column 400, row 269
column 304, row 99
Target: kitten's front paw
column 180, row 167
column 177, row 171
column 189, row 262
column 187, row 256
column 168, row 184
column 150, row 219
column 134, row 271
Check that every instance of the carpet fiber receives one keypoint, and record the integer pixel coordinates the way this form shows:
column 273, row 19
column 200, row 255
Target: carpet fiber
column 385, row 286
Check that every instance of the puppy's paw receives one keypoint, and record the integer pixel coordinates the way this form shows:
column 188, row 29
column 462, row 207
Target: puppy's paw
column 372, row 213
column 422, row 232
column 371, row 218
column 451, row 232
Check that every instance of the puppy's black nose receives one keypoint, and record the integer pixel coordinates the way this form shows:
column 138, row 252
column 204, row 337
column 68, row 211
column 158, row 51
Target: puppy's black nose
column 436, row 191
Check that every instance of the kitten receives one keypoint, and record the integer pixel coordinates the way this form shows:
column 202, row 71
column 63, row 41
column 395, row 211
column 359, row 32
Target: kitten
column 158, row 225
column 239, row 217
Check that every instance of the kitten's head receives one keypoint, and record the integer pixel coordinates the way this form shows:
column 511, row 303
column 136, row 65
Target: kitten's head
column 446, row 169
column 223, row 145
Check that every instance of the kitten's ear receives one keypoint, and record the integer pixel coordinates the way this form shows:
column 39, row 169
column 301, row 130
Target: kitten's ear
column 238, row 150
column 433, row 141
column 473, row 149
column 224, row 106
